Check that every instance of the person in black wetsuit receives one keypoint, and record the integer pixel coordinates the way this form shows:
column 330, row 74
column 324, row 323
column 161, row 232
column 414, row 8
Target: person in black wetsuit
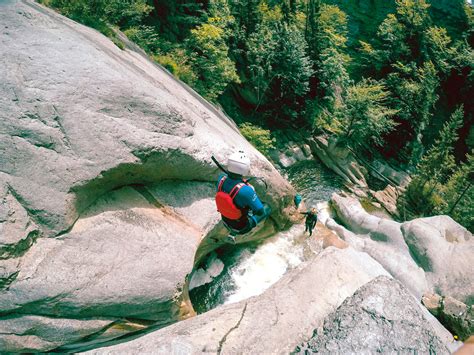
column 311, row 220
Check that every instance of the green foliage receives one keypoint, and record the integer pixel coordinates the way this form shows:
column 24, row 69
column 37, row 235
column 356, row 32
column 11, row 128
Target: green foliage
column 102, row 14
column 177, row 63
column 365, row 116
column 458, row 195
column 278, row 69
column 415, row 95
column 261, row 56
column 92, row 12
column 259, row 137
column 326, row 33
column 413, row 14
column 209, row 59
column 437, row 48
column 438, row 161
column 293, row 66
column 176, row 18
column 146, row 37
column 423, row 195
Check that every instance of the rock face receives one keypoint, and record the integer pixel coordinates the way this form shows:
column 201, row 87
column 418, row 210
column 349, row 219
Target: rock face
column 425, row 254
column 338, row 159
column 106, row 182
column 381, row 317
column 274, row 322
column 444, row 249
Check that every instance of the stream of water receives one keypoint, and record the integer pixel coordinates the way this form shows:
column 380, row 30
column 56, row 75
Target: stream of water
column 233, row 273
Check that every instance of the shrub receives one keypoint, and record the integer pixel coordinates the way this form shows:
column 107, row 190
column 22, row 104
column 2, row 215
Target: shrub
column 259, row 137
column 176, row 62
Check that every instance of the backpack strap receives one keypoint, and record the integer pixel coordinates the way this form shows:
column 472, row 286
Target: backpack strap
column 236, row 190
column 221, row 183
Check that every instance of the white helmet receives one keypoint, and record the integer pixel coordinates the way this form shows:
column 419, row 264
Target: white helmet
column 238, row 163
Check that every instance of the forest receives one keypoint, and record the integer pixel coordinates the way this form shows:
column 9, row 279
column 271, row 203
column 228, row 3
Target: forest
column 388, row 79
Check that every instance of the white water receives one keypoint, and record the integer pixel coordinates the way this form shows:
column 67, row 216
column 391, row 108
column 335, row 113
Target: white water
column 244, row 271
column 214, row 267
column 258, row 271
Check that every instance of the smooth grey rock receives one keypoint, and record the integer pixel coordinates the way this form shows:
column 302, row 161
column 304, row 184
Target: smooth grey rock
column 298, row 154
column 76, row 128
column 124, row 258
column 285, row 160
column 35, row 333
column 381, row 317
column 106, row 178
column 307, row 151
column 435, row 248
column 274, row 322
column 445, row 250
column 338, row 159
column 380, row 238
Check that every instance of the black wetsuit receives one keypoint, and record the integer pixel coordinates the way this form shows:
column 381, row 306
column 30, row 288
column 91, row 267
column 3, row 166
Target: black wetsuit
column 311, row 219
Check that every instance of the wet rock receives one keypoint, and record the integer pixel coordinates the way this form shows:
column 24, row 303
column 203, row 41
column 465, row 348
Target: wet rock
column 274, row 322
column 381, row 317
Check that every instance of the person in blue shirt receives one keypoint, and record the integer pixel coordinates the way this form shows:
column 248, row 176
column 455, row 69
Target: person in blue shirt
column 297, row 200
column 236, row 200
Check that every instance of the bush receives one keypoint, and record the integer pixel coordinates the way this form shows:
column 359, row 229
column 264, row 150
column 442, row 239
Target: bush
column 176, row 62
column 146, row 37
column 259, row 137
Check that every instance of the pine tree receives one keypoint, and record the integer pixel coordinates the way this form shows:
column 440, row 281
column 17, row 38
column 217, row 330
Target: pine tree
column 423, row 193
column 365, row 115
column 438, row 162
column 312, row 27
column 458, row 194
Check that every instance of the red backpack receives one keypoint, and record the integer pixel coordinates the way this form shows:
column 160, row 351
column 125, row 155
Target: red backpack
column 225, row 201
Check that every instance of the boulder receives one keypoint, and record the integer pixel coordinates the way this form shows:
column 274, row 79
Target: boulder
column 286, row 161
column 273, row 322
column 453, row 314
column 307, row 151
column 435, row 249
column 388, row 199
column 381, row 317
column 380, row 238
column 119, row 260
column 444, row 249
column 298, row 153
column 106, row 178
